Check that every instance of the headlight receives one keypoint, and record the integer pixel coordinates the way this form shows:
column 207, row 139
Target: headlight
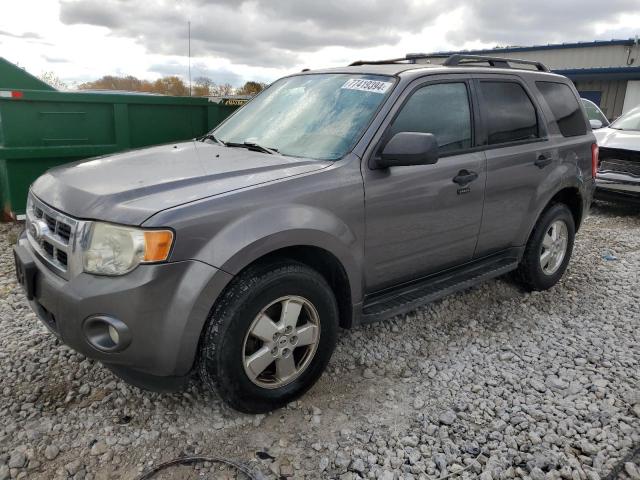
column 116, row 250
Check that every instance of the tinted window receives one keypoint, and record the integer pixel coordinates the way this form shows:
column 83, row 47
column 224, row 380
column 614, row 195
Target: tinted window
column 441, row 109
column 509, row 114
column 565, row 108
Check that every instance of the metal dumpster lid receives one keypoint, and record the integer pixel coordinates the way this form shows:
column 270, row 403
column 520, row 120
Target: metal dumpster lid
column 14, row 77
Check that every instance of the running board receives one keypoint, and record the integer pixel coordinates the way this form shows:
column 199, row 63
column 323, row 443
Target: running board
column 407, row 297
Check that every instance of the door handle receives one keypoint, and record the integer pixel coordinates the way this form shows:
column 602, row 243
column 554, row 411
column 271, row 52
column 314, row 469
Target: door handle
column 464, row 177
column 542, row 161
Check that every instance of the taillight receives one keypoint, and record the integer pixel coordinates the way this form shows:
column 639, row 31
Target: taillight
column 594, row 159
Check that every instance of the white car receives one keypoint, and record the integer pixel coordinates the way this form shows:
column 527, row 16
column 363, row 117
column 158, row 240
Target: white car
column 597, row 119
column 618, row 175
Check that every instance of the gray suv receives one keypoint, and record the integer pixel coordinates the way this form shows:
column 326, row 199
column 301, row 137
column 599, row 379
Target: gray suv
column 333, row 199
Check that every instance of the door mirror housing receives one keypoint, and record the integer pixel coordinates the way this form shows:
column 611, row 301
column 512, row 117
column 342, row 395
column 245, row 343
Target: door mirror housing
column 409, row 148
column 595, row 124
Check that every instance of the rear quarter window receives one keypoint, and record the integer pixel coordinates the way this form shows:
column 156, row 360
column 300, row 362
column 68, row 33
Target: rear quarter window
column 565, row 108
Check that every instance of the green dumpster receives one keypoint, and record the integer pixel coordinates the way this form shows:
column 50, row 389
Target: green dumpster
column 41, row 129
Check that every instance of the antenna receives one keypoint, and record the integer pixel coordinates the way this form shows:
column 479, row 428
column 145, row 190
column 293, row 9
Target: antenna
column 189, row 27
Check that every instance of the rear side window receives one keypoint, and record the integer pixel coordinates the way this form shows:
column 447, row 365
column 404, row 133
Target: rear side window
column 510, row 115
column 441, row 109
column 565, row 108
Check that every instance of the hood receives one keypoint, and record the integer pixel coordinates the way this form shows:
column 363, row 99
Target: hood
column 622, row 139
column 129, row 187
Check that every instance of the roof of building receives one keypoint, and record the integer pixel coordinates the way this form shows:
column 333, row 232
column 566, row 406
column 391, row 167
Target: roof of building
column 551, row 46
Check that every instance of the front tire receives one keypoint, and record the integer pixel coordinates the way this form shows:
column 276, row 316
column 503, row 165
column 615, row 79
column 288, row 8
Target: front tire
column 269, row 337
column 548, row 250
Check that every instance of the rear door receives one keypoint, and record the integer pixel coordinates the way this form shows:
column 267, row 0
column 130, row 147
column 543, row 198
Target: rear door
column 520, row 159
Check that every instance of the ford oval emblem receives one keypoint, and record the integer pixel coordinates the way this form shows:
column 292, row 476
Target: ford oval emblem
column 38, row 229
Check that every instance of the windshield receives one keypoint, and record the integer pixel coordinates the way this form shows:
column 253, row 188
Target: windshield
column 628, row 121
column 318, row 116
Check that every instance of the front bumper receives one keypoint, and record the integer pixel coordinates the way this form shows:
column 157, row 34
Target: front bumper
column 617, row 186
column 164, row 307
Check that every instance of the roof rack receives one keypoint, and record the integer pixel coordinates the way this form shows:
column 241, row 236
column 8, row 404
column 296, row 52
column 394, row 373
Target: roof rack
column 377, row 62
column 461, row 59
column 455, row 60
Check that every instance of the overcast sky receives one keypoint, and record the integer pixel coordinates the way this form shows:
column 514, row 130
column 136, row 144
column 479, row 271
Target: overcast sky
column 236, row 40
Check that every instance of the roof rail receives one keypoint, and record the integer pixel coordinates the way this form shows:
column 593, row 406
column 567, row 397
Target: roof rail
column 462, row 59
column 455, row 60
column 376, row 62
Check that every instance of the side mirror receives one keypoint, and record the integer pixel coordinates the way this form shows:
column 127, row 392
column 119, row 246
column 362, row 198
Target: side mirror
column 409, row 148
column 595, row 124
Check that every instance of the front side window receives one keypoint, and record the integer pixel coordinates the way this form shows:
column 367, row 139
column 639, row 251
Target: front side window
column 318, row 116
column 441, row 109
column 565, row 108
column 509, row 114
column 593, row 112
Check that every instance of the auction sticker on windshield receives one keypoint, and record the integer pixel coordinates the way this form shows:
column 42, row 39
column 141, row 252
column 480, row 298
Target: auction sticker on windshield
column 367, row 85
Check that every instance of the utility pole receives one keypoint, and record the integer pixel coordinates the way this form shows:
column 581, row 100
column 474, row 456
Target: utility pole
column 189, row 26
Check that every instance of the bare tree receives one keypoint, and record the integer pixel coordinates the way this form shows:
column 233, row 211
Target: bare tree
column 223, row 90
column 53, row 80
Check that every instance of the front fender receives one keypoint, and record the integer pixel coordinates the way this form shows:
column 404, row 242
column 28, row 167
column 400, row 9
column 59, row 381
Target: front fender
column 265, row 230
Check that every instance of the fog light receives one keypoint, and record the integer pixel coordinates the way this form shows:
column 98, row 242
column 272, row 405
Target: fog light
column 107, row 334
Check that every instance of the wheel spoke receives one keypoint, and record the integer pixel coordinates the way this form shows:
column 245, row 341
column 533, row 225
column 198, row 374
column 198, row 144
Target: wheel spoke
column 554, row 232
column 290, row 313
column 547, row 242
column 545, row 258
column 264, row 329
column 307, row 335
column 285, row 367
column 257, row 362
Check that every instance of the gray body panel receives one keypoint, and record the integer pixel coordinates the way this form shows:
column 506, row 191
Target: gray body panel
column 129, row 187
column 229, row 207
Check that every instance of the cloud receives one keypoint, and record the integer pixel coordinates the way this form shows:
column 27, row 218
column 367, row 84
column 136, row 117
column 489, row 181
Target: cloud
column 25, row 35
column 285, row 33
column 266, row 33
column 54, row 59
column 519, row 22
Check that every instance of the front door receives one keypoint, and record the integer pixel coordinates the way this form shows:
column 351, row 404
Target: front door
column 418, row 219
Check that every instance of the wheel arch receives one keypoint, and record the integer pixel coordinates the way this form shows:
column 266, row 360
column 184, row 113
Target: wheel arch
column 569, row 196
column 325, row 263
column 572, row 198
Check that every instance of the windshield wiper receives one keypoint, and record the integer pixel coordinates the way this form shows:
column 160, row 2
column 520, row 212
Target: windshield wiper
column 211, row 136
column 253, row 146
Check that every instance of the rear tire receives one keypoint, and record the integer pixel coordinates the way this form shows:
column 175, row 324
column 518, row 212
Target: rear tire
column 548, row 250
column 269, row 336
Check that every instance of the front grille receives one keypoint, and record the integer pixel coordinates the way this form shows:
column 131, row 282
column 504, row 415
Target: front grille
column 620, row 166
column 51, row 234
column 617, row 160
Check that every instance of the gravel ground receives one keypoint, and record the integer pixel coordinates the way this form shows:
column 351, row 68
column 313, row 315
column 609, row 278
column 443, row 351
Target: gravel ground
column 488, row 383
